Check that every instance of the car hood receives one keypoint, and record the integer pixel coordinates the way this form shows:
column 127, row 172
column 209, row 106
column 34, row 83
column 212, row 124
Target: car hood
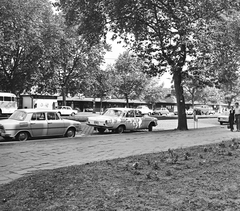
column 102, row 118
column 9, row 121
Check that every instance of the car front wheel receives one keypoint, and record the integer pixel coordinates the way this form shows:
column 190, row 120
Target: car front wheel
column 22, row 136
column 120, row 129
column 150, row 127
column 101, row 130
column 70, row 133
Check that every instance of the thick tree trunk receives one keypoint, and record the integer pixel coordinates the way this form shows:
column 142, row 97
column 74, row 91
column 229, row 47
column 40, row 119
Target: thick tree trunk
column 182, row 120
column 64, row 96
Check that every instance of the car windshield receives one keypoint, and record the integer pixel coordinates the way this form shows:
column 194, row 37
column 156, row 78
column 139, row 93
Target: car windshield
column 112, row 112
column 18, row 115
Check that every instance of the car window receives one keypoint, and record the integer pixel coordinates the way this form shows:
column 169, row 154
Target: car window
column 18, row 115
column 138, row 113
column 52, row 116
column 130, row 113
column 34, row 116
column 113, row 112
column 40, row 116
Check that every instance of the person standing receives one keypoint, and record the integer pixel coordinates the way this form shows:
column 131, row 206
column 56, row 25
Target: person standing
column 237, row 116
column 231, row 117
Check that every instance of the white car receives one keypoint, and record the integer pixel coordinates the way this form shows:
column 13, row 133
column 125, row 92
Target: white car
column 120, row 119
column 223, row 118
column 161, row 111
column 26, row 123
column 145, row 110
column 189, row 111
column 66, row 110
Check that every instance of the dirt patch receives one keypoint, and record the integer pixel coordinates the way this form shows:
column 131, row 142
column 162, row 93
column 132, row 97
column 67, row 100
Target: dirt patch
column 197, row 178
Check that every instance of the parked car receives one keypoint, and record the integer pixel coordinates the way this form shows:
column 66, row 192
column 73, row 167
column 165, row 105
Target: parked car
column 189, row 111
column 223, row 118
column 161, row 111
column 144, row 109
column 27, row 123
column 120, row 119
column 66, row 110
column 88, row 109
column 204, row 110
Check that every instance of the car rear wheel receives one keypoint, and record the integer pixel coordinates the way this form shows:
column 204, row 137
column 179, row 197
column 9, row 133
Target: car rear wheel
column 22, row 136
column 120, row 129
column 101, row 130
column 150, row 127
column 70, row 133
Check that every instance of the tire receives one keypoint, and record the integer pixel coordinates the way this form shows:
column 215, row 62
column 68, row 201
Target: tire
column 150, row 127
column 101, row 130
column 221, row 123
column 22, row 136
column 70, row 133
column 72, row 114
column 120, row 129
column 149, row 114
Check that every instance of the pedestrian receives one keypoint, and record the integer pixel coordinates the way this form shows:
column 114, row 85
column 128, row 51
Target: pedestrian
column 237, row 116
column 231, row 117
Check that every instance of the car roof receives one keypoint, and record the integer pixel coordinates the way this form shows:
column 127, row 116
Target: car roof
column 32, row 110
column 123, row 109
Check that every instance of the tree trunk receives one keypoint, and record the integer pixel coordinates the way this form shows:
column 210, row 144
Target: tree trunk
column 127, row 101
column 101, row 100
column 64, row 96
column 182, row 120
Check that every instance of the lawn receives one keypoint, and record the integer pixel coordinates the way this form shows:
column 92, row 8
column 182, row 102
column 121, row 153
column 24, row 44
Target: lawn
column 197, row 178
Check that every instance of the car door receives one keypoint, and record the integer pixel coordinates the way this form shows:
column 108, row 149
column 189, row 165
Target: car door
column 141, row 119
column 55, row 124
column 130, row 120
column 38, row 124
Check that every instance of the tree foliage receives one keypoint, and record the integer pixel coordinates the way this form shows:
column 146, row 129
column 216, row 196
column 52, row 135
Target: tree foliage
column 164, row 33
column 22, row 28
column 154, row 92
column 127, row 77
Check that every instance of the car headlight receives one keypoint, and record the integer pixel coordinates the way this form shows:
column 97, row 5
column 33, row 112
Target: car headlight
column 107, row 122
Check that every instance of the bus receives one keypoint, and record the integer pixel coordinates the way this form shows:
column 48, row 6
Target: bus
column 8, row 103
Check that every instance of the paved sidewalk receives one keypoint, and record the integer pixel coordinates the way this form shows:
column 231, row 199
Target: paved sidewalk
column 21, row 158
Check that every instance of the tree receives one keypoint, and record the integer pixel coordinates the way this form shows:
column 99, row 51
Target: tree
column 21, row 28
column 163, row 32
column 154, row 92
column 69, row 60
column 128, row 79
column 98, row 85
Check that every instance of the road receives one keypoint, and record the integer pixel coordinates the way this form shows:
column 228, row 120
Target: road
column 20, row 158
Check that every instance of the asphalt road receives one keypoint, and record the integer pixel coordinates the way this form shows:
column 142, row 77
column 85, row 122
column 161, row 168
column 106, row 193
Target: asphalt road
column 167, row 124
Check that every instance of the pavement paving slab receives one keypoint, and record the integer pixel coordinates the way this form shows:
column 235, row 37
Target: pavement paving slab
column 23, row 158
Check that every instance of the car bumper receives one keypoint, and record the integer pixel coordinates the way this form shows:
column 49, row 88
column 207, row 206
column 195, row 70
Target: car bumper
column 101, row 126
column 6, row 135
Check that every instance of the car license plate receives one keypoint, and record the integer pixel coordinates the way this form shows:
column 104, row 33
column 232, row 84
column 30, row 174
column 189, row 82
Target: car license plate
column 96, row 122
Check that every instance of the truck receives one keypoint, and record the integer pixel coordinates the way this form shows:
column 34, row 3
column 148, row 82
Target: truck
column 39, row 101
